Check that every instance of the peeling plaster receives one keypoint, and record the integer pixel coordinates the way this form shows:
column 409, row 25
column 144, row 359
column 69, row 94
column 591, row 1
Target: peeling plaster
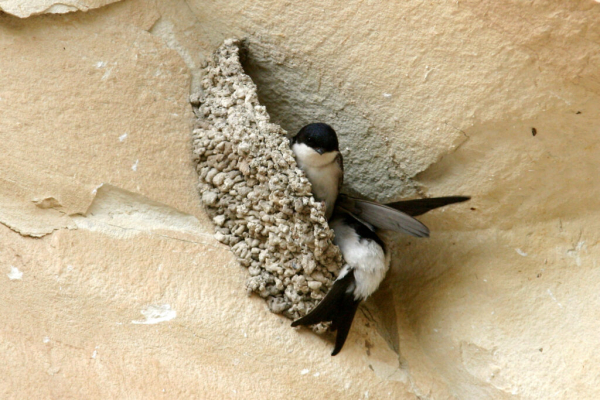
column 155, row 314
column 120, row 213
column 28, row 8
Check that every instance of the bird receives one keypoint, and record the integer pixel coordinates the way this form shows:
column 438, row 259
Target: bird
column 317, row 153
column 367, row 263
column 355, row 223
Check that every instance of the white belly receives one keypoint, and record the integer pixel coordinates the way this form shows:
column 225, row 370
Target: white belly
column 364, row 256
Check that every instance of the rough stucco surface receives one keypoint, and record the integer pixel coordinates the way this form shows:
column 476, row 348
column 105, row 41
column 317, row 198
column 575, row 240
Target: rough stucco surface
column 100, row 213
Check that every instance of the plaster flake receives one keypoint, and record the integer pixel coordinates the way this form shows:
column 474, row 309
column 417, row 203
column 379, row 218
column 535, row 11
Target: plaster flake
column 27, row 8
column 521, row 252
column 155, row 314
column 15, row 274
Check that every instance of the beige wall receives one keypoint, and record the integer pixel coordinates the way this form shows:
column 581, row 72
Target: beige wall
column 99, row 210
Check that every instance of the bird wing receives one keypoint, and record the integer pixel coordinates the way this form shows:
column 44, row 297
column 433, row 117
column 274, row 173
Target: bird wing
column 340, row 161
column 381, row 216
column 421, row 206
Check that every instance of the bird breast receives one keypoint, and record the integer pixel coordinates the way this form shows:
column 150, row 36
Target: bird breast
column 367, row 258
column 322, row 171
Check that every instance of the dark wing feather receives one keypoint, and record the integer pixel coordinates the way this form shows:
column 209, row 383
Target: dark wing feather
column 338, row 307
column 381, row 216
column 421, row 206
column 342, row 324
column 340, row 160
column 339, row 294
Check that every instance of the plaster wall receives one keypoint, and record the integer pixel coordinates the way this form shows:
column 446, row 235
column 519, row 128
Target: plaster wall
column 100, row 214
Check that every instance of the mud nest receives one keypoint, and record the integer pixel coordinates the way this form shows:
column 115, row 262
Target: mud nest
column 259, row 200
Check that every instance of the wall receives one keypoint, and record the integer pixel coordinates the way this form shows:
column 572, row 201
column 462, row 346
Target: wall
column 99, row 209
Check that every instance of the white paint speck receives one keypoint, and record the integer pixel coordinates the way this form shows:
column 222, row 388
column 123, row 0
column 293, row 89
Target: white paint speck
column 100, row 64
column 135, row 165
column 69, row 268
column 95, row 353
column 15, row 274
column 122, row 137
column 387, row 95
column 304, row 371
column 521, row 252
column 427, row 74
column 316, row 374
column 367, row 394
column 155, row 314
column 554, row 298
column 106, row 74
column 576, row 252
column 485, row 280
column 46, row 339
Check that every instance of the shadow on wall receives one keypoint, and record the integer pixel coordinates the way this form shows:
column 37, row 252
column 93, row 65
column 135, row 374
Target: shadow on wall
column 296, row 96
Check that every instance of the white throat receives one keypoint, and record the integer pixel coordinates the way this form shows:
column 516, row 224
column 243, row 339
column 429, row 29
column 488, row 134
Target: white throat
column 323, row 172
column 306, row 156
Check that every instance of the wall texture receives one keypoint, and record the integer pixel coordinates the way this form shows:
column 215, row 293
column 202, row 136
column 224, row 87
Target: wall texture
column 112, row 284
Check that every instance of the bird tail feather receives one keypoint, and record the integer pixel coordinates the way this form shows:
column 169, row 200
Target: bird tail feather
column 338, row 307
column 421, row 206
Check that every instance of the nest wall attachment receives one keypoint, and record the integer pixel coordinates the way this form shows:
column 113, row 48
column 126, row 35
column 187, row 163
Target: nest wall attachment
column 260, row 201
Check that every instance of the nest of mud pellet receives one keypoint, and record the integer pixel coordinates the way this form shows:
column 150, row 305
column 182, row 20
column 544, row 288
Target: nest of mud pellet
column 260, row 201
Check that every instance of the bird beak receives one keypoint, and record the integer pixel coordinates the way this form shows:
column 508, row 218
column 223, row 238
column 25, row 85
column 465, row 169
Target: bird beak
column 320, row 150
